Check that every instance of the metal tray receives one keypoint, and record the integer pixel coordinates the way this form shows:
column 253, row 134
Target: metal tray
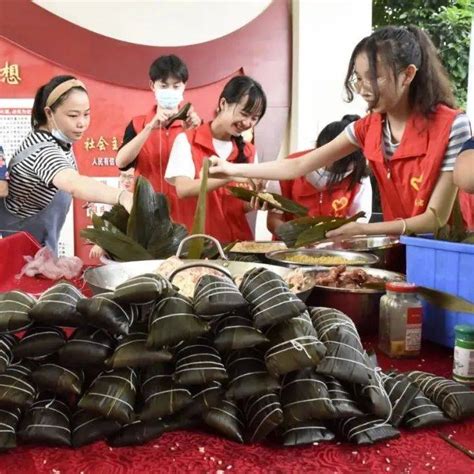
column 353, row 258
column 361, row 243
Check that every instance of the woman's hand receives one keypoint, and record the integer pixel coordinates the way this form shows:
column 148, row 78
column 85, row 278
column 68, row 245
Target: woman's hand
column 352, row 228
column 220, row 168
column 96, row 252
column 192, row 120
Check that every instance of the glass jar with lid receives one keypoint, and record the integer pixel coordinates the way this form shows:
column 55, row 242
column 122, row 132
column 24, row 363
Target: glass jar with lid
column 400, row 320
column 463, row 369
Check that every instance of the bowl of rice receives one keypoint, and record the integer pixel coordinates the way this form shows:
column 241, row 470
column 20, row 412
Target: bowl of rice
column 320, row 258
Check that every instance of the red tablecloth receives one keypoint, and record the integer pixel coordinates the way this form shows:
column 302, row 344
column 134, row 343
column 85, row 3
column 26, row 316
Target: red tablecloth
column 414, row 452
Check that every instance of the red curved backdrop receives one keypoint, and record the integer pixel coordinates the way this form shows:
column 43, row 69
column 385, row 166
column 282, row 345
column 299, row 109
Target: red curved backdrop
column 116, row 73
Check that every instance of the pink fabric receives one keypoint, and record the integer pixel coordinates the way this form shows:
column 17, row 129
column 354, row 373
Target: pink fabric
column 47, row 264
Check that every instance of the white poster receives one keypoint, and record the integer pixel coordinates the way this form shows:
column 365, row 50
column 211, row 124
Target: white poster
column 15, row 124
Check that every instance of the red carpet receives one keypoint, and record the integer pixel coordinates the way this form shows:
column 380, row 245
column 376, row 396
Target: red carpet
column 415, row 452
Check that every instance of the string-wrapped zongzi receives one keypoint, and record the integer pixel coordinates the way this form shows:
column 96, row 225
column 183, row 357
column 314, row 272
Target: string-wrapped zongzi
column 46, row 422
column 57, row 306
column 161, row 396
column 103, row 312
column 88, row 428
column 112, row 395
column 216, row 295
column 173, row 320
column 455, row 399
column 263, row 414
column 345, row 358
column 142, row 289
column 248, row 375
column 366, row 429
column 198, row 363
column 132, row 351
column 8, row 423
column 306, row 432
column 236, row 331
column 226, row 418
column 16, row 387
column 7, row 341
column 52, row 377
column 14, row 311
column 293, row 345
column 270, row 299
column 39, row 342
column 87, row 347
column 304, row 396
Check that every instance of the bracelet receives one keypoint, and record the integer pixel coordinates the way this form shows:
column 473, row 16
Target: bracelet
column 404, row 225
column 119, row 195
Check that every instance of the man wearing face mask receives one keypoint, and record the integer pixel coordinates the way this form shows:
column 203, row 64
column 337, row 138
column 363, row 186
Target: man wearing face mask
column 147, row 143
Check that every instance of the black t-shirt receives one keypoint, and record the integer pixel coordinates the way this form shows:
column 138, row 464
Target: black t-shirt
column 128, row 136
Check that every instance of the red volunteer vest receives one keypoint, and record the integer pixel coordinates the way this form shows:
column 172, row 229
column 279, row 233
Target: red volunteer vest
column 335, row 202
column 408, row 179
column 225, row 215
column 153, row 159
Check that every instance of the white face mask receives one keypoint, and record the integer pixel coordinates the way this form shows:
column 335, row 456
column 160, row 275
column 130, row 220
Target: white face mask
column 320, row 178
column 168, row 98
column 57, row 133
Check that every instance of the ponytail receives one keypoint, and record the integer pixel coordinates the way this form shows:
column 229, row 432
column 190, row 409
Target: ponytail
column 241, row 157
column 38, row 115
column 431, row 85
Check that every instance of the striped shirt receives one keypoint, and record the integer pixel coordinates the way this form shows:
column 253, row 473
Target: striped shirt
column 460, row 132
column 30, row 185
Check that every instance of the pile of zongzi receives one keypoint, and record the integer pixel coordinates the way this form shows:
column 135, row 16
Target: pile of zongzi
column 249, row 363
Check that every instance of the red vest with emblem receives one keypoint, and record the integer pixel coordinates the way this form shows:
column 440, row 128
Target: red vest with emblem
column 407, row 180
column 225, row 214
column 335, row 202
column 153, row 159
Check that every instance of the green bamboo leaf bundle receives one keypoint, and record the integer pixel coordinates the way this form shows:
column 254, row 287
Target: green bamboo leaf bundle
column 196, row 247
column 274, row 201
column 307, row 230
column 147, row 233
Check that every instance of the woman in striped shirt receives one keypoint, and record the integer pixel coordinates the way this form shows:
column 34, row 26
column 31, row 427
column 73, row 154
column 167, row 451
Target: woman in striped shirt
column 411, row 136
column 43, row 176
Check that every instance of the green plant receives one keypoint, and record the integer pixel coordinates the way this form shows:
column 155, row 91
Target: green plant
column 449, row 24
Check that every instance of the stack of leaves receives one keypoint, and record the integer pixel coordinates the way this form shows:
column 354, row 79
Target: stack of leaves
column 146, row 234
column 308, row 230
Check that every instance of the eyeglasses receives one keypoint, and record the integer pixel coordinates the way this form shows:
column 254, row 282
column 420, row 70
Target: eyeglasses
column 358, row 83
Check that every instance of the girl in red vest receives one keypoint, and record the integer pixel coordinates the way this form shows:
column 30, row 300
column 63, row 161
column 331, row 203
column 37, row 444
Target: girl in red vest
column 342, row 190
column 411, row 136
column 242, row 104
column 146, row 143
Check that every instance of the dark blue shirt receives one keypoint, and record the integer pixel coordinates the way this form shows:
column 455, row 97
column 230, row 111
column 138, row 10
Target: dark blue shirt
column 3, row 166
column 469, row 145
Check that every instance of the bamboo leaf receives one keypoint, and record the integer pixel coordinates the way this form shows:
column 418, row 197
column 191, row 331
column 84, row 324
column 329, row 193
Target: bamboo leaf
column 318, row 231
column 116, row 244
column 289, row 231
column 274, row 201
column 118, row 216
column 446, row 301
column 149, row 213
column 196, row 246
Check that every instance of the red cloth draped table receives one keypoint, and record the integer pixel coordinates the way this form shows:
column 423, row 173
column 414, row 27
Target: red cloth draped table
column 196, row 451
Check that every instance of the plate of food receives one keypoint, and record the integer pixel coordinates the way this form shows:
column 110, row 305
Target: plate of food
column 320, row 258
column 257, row 246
